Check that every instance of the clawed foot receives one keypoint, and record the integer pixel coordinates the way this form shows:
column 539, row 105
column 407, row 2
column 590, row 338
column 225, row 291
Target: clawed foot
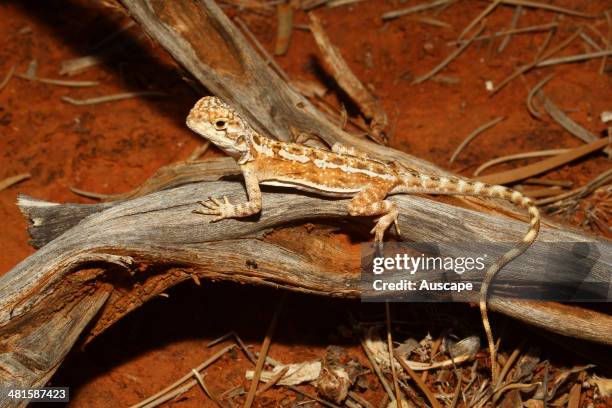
column 213, row 206
column 383, row 223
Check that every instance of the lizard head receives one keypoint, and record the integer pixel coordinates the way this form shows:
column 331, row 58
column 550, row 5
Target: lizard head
column 216, row 121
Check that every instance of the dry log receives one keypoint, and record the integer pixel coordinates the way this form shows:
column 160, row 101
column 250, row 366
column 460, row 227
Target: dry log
column 113, row 257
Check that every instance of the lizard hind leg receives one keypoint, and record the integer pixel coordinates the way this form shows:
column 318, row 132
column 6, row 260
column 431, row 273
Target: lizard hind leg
column 370, row 201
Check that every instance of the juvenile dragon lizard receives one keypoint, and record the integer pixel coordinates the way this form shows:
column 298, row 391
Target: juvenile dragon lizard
column 341, row 172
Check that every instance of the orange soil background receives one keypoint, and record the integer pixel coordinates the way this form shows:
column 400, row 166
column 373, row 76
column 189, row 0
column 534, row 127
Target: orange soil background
column 113, row 147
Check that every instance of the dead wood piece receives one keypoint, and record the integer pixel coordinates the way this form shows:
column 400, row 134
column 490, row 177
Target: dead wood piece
column 368, row 104
column 160, row 229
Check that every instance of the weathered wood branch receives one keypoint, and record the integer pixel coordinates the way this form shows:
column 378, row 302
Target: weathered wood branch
column 124, row 253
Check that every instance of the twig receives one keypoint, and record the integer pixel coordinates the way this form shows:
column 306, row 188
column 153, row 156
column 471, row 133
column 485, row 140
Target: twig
column 110, row 98
column 273, row 381
column 168, row 389
column 472, row 135
column 448, row 59
column 210, row 395
column 544, row 165
column 574, row 58
column 368, row 104
column 548, row 7
column 533, row 91
column 390, row 15
column 7, row 78
column 507, row 366
column 482, row 15
column 415, row 377
column 9, row 181
column 583, row 191
column 58, row 82
column 284, row 28
column 398, row 394
column 515, row 17
column 377, row 370
column 269, row 59
column 263, row 352
column 362, row 401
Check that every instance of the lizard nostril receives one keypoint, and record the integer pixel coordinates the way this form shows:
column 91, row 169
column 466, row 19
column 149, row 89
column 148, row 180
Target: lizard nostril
column 220, row 124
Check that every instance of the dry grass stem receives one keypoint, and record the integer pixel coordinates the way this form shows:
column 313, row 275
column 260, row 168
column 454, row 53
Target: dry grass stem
column 478, row 18
column 89, row 194
column 531, row 94
column 398, row 394
column 448, row 59
column 9, row 181
column 284, row 28
column 513, row 23
column 414, row 9
column 548, row 182
column 268, row 59
column 112, row 36
column 198, row 151
column 312, row 397
column 346, row 79
column 522, row 69
column 209, row 394
column 377, row 370
column 240, row 343
column 110, row 98
column 544, row 165
column 565, row 122
column 8, row 77
column 590, row 41
column 548, row 7
column 573, row 58
column 542, row 192
column 273, row 381
column 170, row 390
column 263, row 352
column 360, row 400
column 58, row 82
column 541, row 56
column 601, row 180
column 472, row 135
column 519, row 156
column 523, row 30
column 415, row 377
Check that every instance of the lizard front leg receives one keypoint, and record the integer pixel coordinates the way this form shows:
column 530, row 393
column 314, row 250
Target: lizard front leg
column 226, row 209
column 370, row 201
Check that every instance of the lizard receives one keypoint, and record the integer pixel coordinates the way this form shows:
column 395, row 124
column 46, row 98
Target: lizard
column 343, row 172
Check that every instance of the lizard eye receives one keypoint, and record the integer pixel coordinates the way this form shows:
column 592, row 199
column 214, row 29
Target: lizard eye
column 220, row 124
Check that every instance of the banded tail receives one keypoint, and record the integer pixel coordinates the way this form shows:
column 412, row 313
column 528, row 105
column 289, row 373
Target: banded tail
column 415, row 182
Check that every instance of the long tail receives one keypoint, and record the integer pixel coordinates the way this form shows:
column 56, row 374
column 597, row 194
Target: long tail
column 415, row 182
